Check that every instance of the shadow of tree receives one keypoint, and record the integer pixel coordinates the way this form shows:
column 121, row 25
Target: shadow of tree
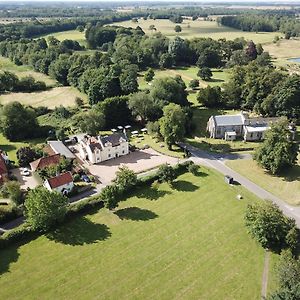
column 8, row 256
column 79, row 232
column 151, row 193
column 184, row 186
column 201, row 174
column 135, row 214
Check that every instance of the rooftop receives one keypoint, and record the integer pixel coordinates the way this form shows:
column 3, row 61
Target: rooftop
column 60, row 180
column 60, row 148
column 229, row 120
column 44, row 162
column 114, row 139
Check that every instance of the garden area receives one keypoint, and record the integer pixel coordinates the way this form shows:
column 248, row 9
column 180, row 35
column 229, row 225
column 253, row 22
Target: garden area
column 211, row 255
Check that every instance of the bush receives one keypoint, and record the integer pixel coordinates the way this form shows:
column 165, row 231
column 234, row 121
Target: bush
column 166, row 174
column 192, row 168
column 76, row 177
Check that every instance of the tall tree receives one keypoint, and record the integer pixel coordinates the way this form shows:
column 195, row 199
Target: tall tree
column 172, row 124
column 278, row 151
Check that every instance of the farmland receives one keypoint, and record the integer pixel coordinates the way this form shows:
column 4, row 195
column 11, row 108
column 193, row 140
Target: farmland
column 74, row 35
column 184, row 242
column 199, row 29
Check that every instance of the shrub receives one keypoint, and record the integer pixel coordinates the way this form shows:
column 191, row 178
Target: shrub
column 192, row 168
column 166, row 174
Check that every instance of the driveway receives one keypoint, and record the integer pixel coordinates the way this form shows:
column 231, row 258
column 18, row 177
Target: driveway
column 138, row 161
column 217, row 162
column 25, row 181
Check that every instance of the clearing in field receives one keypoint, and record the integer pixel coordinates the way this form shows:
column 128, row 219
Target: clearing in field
column 51, row 98
column 286, row 187
column 74, row 35
column 198, row 29
column 22, row 71
column 185, row 242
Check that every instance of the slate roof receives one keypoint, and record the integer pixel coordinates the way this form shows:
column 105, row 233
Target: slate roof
column 44, row 162
column 114, row 139
column 229, row 120
column 60, row 180
column 60, row 148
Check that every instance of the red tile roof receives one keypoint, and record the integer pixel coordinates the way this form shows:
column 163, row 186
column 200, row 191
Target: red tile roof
column 44, row 162
column 60, row 180
column 3, row 169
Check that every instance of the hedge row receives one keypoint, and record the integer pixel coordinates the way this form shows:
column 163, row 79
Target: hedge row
column 25, row 233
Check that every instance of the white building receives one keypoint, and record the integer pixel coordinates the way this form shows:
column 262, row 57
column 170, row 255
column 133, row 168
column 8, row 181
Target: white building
column 62, row 183
column 230, row 127
column 98, row 149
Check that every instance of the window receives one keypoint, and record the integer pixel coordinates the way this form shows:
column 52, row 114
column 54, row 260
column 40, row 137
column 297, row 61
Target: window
column 123, row 151
column 109, row 155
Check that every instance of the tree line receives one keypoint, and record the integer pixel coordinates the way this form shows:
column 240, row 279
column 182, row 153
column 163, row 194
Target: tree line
column 289, row 25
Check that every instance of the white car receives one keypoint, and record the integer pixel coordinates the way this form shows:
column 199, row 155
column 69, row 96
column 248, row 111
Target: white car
column 25, row 172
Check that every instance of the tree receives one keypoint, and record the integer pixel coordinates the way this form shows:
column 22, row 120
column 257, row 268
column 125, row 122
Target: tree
column 210, row 96
column 168, row 90
column 13, row 190
column 110, row 196
column 177, row 28
column 125, row 178
column 268, row 225
column 193, row 168
column 166, row 61
column 80, row 28
column 143, row 107
column 288, row 273
column 18, row 122
column 90, row 122
column 278, row 151
column 251, row 50
column 44, row 208
column 61, row 134
column 205, row 73
column 194, row 83
column 26, row 155
column 172, row 124
column 166, row 173
column 79, row 102
column 149, row 75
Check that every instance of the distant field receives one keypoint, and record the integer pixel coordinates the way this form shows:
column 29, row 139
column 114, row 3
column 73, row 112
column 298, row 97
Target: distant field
column 21, row 71
column 200, row 28
column 187, row 74
column 51, row 98
column 185, row 242
column 286, row 187
column 74, row 35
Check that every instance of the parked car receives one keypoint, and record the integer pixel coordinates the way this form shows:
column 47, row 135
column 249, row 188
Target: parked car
column 85, row 178
column 25, row 172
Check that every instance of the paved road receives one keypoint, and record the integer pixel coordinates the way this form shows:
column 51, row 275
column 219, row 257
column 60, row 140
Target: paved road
column 217, row 161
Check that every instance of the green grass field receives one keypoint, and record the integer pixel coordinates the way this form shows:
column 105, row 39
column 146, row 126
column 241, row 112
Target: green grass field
column 219, row 77
column 50, row 98
column 74, row 35
column 198, row 29
column 286, row 186
column 12, row 147
column 21, row 71
column 185, row 242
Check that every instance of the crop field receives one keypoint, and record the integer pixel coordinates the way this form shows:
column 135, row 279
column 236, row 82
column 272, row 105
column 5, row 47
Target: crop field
column 22, row 71
column 74, row 35
column 50, row 98
column 184, row 242
column 198, row 29
column 286, row 186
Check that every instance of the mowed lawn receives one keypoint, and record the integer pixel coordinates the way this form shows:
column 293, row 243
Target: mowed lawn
column 185, row 242
column 198, row 29
column 51, row 98
column 24, row 70
column 12, row 147
column 286, row 186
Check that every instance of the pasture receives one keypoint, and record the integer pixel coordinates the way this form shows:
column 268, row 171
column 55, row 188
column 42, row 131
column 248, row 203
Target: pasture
column 184, row 242
column 50, row 98
column 24, row 70
column 199, row 29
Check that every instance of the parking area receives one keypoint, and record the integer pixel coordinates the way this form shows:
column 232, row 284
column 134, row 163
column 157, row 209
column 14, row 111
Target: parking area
column 25, row 181
column 137, row 161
